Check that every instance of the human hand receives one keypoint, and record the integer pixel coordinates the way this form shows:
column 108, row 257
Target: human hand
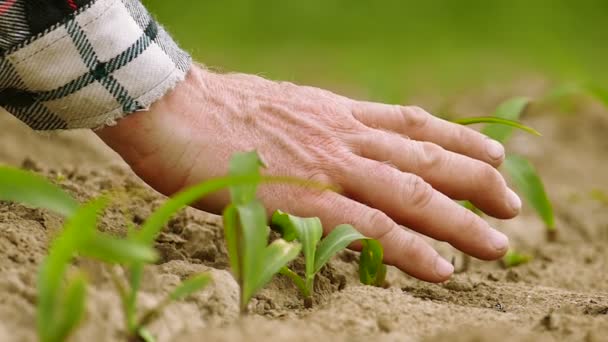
column 396, row 165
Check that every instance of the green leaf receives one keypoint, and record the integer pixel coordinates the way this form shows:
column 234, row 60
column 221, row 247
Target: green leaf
column 118, row 251
column 254, row 235
column 31, row 189
column 372, row 270
column 471, row 207
column 190, row 286
column 591, row 89
column 296, row 279
column 77, row 230
column 146, row 335
column 72, row 309
column 510, row 110
column 526, row 179
column 508, row 124
column 244, row 164
column 339, row 238
column 513, row 258
column 278, row 254
column 232, row 236
column 155, row 223
column 135, row 278
column 308, row 231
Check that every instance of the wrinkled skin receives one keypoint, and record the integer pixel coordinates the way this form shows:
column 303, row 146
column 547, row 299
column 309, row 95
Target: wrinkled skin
column 398, row 166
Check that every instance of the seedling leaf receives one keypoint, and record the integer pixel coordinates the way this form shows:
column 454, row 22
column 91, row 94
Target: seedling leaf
column 231, row 222
column 509, row 110
column 275, row 257
column 190, row 286
column 78, row 229
column 31, row 189
column 339, row 238
column 498, row 121
column 308, row 231
column 513, row 258
column 371, row 269
column 286, row 271
column 72, row 309
column 254, row 235
column 242, row 164
column 118, row 251
column 526, row 179
column 146, row 335
column 471, row 207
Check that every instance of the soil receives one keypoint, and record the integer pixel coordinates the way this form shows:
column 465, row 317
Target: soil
column 561, row 295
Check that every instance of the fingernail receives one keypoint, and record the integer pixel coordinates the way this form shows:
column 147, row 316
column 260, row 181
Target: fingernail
column 514, row 200
column 499, row 240
column 495, row 149
column 443, row 268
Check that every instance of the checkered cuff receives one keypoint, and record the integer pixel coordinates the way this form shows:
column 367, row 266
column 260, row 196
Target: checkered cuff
column 101, row 61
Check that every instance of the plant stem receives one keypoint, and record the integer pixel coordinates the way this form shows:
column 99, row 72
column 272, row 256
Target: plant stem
column 302, row 286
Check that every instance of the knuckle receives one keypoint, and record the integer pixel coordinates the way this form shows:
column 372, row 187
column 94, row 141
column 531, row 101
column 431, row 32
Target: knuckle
column 431, row 156
column 417, row 192
column 406, row 241
column 415, row 117
column 377, row 218
column 381, row 224
column 490, row 176
column 469, row 219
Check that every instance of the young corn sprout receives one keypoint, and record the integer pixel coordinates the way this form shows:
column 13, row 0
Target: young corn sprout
column 521, row 172
column 252, row 260
column 317, row 252
column 61, row 304
column 514, row 258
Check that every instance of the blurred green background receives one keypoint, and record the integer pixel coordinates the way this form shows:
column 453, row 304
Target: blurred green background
column 388, row 50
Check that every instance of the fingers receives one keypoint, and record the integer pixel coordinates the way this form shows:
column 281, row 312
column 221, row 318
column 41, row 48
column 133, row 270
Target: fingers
column 417, row 124
column 456, row 175
column 410, row 201
column 402, row 249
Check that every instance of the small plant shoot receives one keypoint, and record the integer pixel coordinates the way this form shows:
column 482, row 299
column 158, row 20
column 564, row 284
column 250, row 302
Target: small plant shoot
column 593, row 90
column 514, row 258
column 61, row 305
column 526, row 179
column 31, row 189
column 317, row 252
column 252, row 260
column 500, row 128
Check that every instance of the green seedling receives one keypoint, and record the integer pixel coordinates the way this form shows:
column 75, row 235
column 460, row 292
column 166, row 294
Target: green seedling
column 589, row 89
column 526, row 179
column 136, row 325
column 514, row 258
column 521, row 171
column 60, row 304
column 242, row 183
column 33, row 190
column 252, row 260
column 317, row 252
column 497, row 121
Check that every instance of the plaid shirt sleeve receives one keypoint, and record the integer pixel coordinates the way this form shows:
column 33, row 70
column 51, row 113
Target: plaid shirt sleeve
column 83, row 63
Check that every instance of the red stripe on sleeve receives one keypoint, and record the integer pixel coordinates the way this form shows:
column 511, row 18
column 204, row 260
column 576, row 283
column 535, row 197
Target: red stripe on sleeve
column 72, row 5
column 6, row 6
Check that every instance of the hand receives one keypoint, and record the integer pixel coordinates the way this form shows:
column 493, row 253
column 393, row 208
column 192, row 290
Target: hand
column 397, row 165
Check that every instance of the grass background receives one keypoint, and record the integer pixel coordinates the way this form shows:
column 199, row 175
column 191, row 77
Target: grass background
column 388, row 50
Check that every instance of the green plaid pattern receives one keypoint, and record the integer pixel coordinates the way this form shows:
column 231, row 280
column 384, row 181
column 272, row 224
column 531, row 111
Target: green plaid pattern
column 104, row 61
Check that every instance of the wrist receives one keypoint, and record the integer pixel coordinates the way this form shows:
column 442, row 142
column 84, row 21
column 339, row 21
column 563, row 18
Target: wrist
column 144, row 136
